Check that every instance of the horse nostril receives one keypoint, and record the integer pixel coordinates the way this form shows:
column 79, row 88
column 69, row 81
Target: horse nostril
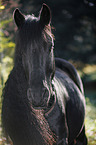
column 29, row 94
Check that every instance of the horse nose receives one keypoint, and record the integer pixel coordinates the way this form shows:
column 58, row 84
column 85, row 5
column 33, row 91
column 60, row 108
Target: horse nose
column 38, row 98
column 33, row 96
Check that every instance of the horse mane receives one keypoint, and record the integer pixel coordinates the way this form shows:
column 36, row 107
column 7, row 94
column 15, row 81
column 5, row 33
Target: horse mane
column 48, row 32
column 48, row 29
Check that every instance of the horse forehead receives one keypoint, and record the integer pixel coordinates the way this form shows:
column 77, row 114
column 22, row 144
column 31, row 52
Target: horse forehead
column 30, row 25
column 30, row 31
column 33, row 47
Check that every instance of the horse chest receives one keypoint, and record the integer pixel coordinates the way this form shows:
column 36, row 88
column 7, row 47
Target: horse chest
column 57, row 122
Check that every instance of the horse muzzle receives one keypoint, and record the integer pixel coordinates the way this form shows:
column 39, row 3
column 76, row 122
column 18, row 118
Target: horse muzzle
column 38, row 98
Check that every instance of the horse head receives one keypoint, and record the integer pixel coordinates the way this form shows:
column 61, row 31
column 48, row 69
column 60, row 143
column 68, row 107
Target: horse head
column 34, row 49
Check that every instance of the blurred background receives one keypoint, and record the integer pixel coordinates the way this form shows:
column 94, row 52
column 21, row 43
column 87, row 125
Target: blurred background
column 74, row 25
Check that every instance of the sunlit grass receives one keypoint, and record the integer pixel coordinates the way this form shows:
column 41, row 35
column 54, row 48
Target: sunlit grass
column 90, row 120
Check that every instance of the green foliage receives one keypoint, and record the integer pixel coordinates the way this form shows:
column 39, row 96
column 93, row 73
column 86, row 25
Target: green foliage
column 6, row 54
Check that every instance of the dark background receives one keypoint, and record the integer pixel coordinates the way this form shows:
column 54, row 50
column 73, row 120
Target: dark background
column 75, row 27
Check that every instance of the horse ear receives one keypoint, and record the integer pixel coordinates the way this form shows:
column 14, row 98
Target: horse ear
column 18, row 17
column 45, row 15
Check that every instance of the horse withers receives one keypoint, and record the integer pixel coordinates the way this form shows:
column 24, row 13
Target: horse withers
column 43, row 98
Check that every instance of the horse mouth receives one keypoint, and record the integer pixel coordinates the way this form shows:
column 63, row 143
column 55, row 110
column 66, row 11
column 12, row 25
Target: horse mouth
column 42, row 106
column 46, row 103
column 38, row 108
column 46, row 109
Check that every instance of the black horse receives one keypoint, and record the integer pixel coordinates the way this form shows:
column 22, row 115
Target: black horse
column 43, row 99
